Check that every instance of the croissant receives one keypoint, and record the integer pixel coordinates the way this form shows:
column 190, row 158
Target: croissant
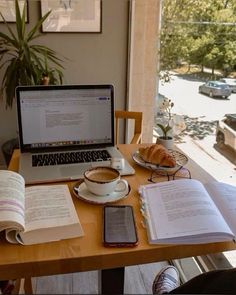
column 157, row 154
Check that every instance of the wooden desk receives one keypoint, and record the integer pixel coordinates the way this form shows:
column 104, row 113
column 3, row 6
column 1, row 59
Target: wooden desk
column 87, row 253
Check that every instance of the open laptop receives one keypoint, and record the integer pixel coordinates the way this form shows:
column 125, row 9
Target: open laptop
column 64, row 130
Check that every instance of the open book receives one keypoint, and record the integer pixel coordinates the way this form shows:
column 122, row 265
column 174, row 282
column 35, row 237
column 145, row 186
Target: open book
column 185, row 211
column 36, row 214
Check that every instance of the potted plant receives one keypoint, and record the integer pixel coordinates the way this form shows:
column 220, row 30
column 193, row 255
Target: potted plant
column 25, row 63
column 169, row 124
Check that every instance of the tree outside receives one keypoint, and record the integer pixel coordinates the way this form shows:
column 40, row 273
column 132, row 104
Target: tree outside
column 200, row 33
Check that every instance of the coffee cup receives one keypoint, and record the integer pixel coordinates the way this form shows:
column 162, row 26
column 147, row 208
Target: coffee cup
column 103, row 181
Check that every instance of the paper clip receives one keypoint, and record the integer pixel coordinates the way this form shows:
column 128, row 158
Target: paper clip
column 144, row 213
column 143, row 224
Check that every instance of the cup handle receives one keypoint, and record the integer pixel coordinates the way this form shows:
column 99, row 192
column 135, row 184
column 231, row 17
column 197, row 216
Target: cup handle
column 125, row 185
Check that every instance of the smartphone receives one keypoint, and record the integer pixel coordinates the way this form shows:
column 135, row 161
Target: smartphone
column 119, row 226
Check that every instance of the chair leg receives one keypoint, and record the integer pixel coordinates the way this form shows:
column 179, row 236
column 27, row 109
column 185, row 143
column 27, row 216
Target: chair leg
column 23, row 286
column 28, row 286
column 17, row 286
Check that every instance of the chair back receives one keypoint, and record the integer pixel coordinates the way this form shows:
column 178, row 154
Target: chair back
column 126, row 115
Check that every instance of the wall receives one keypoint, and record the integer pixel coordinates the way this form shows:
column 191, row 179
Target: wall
column 91, row 58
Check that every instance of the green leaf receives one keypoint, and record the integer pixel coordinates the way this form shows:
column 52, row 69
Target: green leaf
column 37, row 26
column 168, row 128
column 49, row 53
column 13, row 41
column 9, row 80
column 18, row 20
column 163, row 129
column 23, row 20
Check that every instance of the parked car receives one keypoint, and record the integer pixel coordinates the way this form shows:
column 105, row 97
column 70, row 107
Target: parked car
column 226, row 131
column 231, row 82
column 215, row 88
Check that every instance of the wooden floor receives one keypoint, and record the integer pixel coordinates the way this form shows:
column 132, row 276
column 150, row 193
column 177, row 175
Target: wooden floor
column 138, row 280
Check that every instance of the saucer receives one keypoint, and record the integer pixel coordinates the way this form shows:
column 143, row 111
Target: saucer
column 80, row 190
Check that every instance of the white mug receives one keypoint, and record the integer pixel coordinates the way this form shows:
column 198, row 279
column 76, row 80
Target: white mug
column 103, row 181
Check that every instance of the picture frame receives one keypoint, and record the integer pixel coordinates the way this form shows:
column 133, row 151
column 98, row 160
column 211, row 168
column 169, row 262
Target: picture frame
column 78, row 16
column 7, row 8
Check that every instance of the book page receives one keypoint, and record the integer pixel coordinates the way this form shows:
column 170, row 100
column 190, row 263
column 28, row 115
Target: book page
column 48, row 206
column 181, row 208
column 224, row 196
column 50, row 215
column 12, row 200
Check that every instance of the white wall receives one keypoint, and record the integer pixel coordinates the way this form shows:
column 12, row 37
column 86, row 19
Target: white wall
column 91, row 57
column 143, row 62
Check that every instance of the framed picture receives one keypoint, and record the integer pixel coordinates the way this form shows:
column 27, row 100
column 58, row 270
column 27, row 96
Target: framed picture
column 82, row 16
column 7, row 8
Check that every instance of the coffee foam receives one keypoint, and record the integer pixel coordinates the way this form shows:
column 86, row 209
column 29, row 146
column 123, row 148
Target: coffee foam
column 102, row 175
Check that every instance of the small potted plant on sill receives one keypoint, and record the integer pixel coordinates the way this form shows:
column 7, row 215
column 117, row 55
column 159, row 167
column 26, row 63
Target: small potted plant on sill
column 169, row 124
column 25, row 63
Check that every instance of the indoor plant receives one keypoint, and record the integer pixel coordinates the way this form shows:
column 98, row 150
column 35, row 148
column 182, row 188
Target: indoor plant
column 25, row 63
column 169, row 124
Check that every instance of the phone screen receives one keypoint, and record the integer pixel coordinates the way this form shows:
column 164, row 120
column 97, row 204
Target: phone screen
column 119, row 226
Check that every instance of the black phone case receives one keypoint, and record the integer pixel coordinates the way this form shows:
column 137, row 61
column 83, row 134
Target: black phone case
column 119, row 244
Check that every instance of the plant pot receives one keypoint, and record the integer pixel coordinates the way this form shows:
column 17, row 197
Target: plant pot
column 45, row 80
column 8, row 149
column 166, row 142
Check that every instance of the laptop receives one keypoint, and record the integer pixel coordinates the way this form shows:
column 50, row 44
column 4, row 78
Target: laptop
column 65, row 130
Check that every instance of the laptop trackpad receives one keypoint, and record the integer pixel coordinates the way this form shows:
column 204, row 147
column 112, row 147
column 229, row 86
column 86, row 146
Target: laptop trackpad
column 102, row 163
column 74, row 170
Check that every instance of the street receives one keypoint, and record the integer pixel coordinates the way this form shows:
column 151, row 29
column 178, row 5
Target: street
column 201, row 113
column 187, row 100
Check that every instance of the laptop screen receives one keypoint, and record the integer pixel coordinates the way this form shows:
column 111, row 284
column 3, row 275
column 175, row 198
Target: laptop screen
column 65, row 116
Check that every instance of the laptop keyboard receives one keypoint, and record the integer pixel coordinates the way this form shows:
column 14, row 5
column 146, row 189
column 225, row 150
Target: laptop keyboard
column 70, row 158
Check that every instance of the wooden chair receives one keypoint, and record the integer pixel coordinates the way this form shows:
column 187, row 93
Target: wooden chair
column 23, row 286
column 126, row 115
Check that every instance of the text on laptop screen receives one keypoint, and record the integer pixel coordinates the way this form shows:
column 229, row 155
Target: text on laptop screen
column 66, row 117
